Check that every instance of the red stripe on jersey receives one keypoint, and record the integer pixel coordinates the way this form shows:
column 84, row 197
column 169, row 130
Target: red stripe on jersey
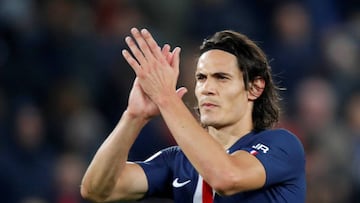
column 207, row 193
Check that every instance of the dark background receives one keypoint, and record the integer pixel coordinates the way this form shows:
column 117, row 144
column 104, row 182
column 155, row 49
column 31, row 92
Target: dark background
column 64, row 84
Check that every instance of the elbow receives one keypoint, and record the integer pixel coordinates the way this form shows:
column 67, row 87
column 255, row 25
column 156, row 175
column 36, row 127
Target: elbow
column 87, row 195
column 224, row 190
column 84, row 193
column 90, row 196
column 227, row 185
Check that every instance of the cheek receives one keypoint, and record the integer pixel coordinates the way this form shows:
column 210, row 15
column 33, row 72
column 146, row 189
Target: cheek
column 238, row 94
column 237, row 101
column 197, row 93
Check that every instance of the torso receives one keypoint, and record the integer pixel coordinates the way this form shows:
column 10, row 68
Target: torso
column 186, row 184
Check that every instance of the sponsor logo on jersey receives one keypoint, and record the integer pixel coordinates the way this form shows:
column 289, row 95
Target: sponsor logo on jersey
column 260, row 147
column 178, row 184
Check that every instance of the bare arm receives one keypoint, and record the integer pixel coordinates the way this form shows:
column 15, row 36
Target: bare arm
column 110, row 177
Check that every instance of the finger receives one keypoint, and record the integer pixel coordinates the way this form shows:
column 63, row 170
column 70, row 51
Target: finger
column 131, row 61
column 166, row 53
column 135, row 50
column 181, row 91
column 176, row 58
column 142, row 43
column 154, row 47
column 165, row 50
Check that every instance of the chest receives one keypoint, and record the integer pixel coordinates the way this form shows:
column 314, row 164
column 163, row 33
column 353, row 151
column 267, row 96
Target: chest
column 184, row 181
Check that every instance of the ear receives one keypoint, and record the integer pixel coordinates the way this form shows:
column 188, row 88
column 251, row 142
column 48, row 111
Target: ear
column 257, row 87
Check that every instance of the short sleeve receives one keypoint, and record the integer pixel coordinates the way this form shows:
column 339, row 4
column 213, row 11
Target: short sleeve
column 158, row 171
column 281, row 154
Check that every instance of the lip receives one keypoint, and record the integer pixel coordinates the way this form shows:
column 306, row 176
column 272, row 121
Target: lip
column 208, row 105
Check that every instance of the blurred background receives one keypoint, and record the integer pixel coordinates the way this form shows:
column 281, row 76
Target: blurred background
column 64, row 84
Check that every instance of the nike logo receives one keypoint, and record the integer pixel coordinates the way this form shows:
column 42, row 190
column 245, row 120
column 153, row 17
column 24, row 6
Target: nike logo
column 177, row 184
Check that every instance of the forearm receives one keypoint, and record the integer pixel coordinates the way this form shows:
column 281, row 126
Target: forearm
column 204, row 152
column 111, row 157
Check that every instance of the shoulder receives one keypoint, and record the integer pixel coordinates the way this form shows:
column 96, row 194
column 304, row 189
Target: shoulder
column 282, row 156
column 173, row 150
column 279, row 135
column 165, row 154
column 277, row 132
column 281, row 139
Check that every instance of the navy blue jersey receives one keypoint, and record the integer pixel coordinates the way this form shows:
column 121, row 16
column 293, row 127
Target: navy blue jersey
column 170, row 174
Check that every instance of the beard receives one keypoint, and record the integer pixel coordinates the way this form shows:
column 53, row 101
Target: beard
column 210, row 123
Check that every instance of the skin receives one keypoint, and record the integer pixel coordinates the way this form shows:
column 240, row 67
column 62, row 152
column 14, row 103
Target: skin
column 225, row 108
column 221, row 96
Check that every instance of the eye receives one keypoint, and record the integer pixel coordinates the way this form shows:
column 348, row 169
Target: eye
column 200, row 76
column 222, row 76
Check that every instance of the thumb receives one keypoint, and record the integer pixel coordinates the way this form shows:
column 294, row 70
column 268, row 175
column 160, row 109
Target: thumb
column 181, row 91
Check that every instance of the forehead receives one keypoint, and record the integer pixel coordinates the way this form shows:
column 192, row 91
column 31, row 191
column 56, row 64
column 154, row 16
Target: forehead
column 217, row 61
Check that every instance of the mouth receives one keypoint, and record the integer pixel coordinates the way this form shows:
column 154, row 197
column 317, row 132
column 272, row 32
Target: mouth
column 208, row 105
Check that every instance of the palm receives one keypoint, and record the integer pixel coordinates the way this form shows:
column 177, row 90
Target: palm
column 140, row 104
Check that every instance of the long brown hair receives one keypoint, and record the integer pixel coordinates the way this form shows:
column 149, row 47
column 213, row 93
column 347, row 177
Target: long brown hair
column 252, row 62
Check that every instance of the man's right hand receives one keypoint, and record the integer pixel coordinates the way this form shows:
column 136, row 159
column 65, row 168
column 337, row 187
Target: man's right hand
column 139, row 103
column 108, row 180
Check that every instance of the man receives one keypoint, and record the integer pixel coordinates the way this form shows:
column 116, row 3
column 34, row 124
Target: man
column 233, row 156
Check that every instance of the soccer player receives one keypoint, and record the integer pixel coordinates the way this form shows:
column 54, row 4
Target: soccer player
column 232, row 155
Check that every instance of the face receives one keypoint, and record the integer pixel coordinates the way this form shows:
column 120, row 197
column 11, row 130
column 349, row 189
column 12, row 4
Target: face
column 220, row 90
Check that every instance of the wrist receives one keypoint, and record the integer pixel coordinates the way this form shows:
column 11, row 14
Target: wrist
column 137, row 118
column 168, row 101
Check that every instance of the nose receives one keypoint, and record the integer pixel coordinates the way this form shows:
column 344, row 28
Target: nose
column 208, row 87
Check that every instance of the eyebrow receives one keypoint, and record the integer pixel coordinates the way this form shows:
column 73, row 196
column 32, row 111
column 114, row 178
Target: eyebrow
column 223, row 74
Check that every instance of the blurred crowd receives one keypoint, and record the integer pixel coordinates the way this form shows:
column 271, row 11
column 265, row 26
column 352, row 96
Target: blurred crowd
column 64, row 84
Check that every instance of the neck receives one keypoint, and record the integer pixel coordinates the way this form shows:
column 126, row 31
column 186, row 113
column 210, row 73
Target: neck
column 227, row 136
